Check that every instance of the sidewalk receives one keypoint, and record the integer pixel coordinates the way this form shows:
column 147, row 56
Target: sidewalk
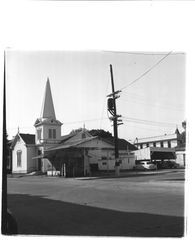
column 131, row 174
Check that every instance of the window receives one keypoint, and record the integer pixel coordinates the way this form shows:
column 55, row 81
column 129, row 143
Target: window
column 154, row 144
column 83, row 135
column 19, row 158
column 39, row 134
column 169, row 144
column 147, row 144
column 52, row 134
column 141, row 145
column 161, row 144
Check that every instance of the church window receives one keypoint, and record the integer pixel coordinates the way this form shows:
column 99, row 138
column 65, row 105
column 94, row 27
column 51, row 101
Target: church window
column 50, row 133
column 54, row 133
column 39, row 134
column 19, row 158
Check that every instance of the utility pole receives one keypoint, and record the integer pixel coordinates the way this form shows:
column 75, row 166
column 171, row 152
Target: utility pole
column 4, row 216
column 112, row 110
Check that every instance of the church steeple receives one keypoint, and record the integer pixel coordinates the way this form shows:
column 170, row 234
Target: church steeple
column 48, row 128
column 47, row 110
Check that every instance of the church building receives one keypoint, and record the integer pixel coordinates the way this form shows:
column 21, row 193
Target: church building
column 76, row 154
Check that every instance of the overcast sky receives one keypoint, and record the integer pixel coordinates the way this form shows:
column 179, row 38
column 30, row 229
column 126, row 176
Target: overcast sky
column 80, row 81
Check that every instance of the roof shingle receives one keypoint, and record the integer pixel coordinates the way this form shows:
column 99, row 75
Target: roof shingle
column 28, row 138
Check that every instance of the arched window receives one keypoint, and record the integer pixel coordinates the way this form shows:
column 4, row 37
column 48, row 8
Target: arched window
column 19, row 158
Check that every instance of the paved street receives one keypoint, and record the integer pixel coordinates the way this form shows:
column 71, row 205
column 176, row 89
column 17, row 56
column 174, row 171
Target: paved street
column 141, row 205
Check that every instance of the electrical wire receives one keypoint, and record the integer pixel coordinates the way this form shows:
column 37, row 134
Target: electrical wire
column 147, row 122
column 143, row 53
column 154, row 105
column 147, row 71
column 142, row 128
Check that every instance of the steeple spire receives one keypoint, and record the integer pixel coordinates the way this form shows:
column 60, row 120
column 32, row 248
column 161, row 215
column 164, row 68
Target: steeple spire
column 47, row 106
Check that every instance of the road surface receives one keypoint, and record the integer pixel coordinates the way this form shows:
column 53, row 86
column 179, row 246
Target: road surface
column 139, row 205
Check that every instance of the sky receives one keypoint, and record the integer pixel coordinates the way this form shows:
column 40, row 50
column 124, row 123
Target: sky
column 80, row 81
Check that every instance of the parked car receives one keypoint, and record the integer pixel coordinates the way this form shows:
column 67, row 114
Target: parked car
column 170, row 164
column 145, row 165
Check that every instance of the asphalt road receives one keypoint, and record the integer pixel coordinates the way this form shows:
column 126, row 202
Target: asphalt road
column 138, row 205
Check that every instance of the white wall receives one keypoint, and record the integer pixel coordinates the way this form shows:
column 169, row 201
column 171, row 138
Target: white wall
column 19, row 146
column 45, row 134
column 180, row 157
column 158, row 145
column 174, row 143
column 46, row 164
column 106, row 161
column 142, row 154
column 128, row 162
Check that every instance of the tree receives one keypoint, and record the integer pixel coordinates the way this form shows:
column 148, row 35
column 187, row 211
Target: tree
column 100, row 132
column 182, row 136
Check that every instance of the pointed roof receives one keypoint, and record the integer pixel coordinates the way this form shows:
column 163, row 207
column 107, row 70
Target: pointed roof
column 47, row 106
column 29, row 139
column 177, row 131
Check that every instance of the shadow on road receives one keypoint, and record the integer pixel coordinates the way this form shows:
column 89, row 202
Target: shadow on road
column 36, row 215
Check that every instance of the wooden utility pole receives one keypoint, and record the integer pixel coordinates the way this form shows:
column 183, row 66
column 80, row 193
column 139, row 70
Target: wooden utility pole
column 114, row 118
column 4, row 216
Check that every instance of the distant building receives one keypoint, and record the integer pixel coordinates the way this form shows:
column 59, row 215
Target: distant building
column 162, row 141
column 76, row 154
column 181, row 147
column 23, row 150
column 168, row 141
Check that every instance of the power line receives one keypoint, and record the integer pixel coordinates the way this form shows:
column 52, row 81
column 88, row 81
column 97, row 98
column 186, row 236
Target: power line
column 154, row 105
column 147, row 122
column 143, row 128
column 144, row 53
column 147, row 71
column 73, row 122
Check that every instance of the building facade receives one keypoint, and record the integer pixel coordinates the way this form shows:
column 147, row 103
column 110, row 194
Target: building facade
column 76, row 154
column 23, row 150
column 165, row 143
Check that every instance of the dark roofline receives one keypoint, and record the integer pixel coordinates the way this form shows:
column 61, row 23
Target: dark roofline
column 29, row 139
column 121, row 143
